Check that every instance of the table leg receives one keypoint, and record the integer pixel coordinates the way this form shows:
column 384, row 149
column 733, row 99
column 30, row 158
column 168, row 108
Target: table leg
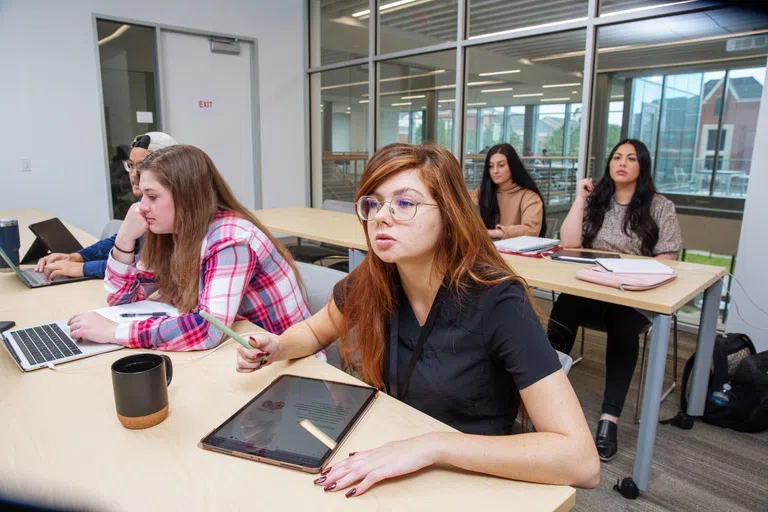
column 355, row 258
column 705, row 345
column 654, row 383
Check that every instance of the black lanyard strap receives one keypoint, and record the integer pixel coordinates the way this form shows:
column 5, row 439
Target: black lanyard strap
column 394, row 383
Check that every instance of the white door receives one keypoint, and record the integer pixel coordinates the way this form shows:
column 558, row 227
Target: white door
column 207, row 102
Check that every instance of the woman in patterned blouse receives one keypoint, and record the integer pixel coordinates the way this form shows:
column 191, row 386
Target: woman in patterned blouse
column 622, row 213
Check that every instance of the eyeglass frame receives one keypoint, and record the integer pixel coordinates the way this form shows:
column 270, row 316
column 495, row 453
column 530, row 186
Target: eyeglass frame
column 128, row 165
column 391, row 209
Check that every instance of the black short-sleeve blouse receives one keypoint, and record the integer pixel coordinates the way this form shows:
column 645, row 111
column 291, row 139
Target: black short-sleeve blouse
column 485, row 345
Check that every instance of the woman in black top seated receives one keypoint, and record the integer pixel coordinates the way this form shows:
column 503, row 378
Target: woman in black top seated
column 481, row 349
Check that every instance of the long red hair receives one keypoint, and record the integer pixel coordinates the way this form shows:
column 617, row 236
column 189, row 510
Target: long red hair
column 465, row 253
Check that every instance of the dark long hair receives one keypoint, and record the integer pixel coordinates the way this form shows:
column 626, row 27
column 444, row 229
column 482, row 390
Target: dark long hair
column 489, row 205
column 638, row 218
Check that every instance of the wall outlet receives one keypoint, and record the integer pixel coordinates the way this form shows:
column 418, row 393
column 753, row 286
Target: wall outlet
column 26, row 165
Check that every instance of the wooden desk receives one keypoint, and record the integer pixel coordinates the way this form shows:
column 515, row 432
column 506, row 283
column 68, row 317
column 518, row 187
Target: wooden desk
column 327, row 226
column 658, row 305
column 62, row 443
column 691, row 280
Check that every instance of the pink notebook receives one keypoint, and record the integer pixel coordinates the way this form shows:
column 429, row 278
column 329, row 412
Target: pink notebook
column 624, row 280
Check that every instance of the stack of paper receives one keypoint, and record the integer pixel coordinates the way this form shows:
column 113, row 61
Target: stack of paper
column 634, row 266
column 525, row 244
column 142, row 310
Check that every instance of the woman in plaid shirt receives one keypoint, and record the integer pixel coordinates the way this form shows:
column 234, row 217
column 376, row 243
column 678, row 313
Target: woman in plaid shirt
column 203, row 250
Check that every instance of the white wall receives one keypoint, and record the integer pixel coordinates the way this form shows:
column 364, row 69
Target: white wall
column 49, row 97
column 753, row 244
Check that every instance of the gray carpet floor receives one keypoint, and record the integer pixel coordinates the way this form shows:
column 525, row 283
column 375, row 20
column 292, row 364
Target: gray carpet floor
column 704, row 469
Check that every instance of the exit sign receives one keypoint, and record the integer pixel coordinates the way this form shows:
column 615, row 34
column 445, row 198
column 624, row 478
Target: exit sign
column 205, row 104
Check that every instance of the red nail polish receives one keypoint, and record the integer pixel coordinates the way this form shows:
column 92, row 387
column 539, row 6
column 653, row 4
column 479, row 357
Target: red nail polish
column 320, row 480
column 327, row 470
column 351, row 493
column 330, row 487
column 352, row 454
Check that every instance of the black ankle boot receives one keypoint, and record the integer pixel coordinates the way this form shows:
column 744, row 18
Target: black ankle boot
column 605, row 440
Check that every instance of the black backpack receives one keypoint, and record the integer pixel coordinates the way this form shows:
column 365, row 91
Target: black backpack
column 735, row 362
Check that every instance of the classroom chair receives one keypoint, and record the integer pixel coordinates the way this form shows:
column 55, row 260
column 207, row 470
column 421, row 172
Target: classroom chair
column 319, row 282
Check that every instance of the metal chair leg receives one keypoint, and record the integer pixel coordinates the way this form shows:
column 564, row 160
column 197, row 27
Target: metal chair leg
column 642, row 379
column 581, row 350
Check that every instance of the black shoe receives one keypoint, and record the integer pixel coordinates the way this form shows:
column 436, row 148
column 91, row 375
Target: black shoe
column 605, row 440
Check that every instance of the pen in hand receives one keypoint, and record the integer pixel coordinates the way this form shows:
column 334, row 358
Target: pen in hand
column 133, row 315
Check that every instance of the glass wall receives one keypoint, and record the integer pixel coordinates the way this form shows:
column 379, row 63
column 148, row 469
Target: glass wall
column 338, row 31
column 492, row 17
column 692, row 97
column 404, row 24
column 686, row 78
column 527, row 92
column 339, row 120
column 127, row 61
column 742, row 90
column 613, row 7
column 416, row 99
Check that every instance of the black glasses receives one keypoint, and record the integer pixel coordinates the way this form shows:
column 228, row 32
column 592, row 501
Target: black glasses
column 401, row 208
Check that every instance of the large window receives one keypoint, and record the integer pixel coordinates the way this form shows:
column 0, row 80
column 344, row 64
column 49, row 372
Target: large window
column 686, row 78
column 339, row 118
column 491, row 17
column 692, row 98
column 338, row 31
column 613, row 7
column 404, row 24
column 527, row 92
column 416, row 99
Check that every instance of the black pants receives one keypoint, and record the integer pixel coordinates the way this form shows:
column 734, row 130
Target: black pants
column 623, row 326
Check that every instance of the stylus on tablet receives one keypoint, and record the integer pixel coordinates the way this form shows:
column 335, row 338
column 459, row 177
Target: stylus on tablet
column 318, row 434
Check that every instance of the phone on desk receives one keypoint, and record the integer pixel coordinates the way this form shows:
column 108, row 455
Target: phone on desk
column 4, row 326
column 579, row 256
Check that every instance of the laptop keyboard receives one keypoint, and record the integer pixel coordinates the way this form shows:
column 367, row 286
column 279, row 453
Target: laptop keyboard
column 45, row 343
column 36, row 277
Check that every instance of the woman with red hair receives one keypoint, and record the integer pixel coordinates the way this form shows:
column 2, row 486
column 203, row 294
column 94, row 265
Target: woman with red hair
column 434, row 317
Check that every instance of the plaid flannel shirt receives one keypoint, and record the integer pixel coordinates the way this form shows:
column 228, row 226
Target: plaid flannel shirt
column 242, row 277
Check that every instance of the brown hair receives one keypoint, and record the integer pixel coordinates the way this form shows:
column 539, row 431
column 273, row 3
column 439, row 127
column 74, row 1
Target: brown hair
column 465, row 253
column 198, row 192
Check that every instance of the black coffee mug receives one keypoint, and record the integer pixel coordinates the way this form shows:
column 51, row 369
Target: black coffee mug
column 141, row 385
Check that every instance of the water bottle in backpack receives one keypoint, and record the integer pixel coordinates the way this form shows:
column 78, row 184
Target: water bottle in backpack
column 722, row 395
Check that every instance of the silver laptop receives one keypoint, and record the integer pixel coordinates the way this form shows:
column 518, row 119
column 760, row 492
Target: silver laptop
column 43, row 345
column 37, row 279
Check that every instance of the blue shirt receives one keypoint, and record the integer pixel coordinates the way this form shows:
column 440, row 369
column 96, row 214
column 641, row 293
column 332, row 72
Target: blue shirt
column 96, row 255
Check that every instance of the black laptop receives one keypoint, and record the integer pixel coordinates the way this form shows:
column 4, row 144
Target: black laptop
column 50, row 236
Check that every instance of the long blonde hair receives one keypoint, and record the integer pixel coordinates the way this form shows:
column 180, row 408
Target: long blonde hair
column 198, row 191
column 464, row 254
